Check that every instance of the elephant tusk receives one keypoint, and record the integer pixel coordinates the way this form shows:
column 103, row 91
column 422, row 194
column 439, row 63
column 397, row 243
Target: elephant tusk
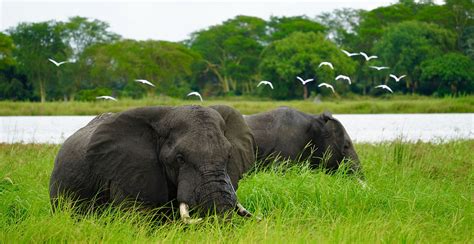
column 245, row 213
column 242, row 211
column 362, row 183
column 184, row 212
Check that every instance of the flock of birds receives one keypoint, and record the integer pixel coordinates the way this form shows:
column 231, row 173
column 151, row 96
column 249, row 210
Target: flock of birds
column 143, row 81
column 268, row 83
column 343, row 77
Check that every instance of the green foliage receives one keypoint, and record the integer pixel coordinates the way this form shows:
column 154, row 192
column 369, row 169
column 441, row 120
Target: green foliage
column 447, row 74
column 35, row 43
column 6, row 52
column 119, row 64
column 251, row 105
column 91, row 94
column 282, row 27
column 403, row 47
column 230, row 58
column 418, row 192
column 341, row 24
column 231, row 51
column 300, row 55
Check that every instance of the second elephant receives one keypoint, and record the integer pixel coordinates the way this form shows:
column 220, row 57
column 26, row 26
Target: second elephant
column 287, row 132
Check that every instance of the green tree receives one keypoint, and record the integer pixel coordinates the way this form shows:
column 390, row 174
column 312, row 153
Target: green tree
column 341, row 24
column 13, row 86
column 404, row 46
column 451, row 73
column 117, row 65
column 230, row 51
column 79, row 33
column 282, row 27
column 300, row 55
column 35, row 43
column 462, row 14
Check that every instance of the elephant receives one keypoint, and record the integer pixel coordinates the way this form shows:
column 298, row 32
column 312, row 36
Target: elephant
column 287, row 132
column 193, row 156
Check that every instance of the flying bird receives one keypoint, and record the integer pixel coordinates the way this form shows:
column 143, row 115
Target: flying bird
column 304, row 81
column 379, row 67
column 327, row 85
column 367, row 58
column 384, row 87
column 145, row 82
column 264, row 82
column 344, row 77
column 326, row 63
column 107, row 98
column 349, row 54
column 397, row 79
column 195, row 94
column 58, row 64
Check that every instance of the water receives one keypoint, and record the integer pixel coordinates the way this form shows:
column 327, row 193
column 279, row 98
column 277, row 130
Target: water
column 361, row 127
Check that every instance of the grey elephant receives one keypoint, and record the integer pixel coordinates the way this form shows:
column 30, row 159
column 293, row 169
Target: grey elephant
column 287, row 132
column 191, row 155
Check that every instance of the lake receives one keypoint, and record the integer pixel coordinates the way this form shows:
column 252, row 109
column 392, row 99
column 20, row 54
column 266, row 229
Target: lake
column 361, row 127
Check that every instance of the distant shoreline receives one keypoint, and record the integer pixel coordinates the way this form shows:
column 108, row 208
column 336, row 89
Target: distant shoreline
column 356, row 105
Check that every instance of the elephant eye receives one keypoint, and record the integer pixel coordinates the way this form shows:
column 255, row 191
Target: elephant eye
column 180, row 159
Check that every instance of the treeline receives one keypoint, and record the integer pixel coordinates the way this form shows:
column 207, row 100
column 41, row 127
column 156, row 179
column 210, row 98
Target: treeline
column 432, row 44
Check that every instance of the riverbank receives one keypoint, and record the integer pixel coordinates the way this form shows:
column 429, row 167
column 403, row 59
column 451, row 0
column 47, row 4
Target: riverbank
column 418, row 192
column 357, row 105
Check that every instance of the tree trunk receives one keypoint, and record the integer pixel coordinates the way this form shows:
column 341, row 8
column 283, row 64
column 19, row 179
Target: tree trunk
column 42, row 91
column 305, row 92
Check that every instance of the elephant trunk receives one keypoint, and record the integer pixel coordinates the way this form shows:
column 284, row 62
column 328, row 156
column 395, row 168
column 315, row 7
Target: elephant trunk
column 216, row 193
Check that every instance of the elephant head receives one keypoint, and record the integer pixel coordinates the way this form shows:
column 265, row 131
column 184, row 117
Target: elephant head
column 193, row 155
column 335, row 145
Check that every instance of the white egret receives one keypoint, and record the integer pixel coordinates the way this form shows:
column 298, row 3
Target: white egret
column 265, row 82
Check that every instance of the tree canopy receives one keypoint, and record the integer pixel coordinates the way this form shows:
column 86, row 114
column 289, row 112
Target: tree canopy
column 433, row 45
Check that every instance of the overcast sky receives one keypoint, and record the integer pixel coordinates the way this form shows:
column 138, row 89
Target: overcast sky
column 166, row 20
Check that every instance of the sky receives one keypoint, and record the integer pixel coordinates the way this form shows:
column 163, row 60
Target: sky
column 166, row 20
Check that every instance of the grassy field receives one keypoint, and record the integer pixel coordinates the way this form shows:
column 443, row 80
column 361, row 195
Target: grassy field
column 418, row 192
column 357, row 105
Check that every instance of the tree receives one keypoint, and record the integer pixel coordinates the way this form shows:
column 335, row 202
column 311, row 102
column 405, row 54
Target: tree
column 35, row 43
column 230, row 51
column 79, row 33
column 447, row 74
column 13, row 86
column 403, row 47
column 282, row 27
column 341, row 24
column 462, row 12
column 299, row 55
column 117, row 65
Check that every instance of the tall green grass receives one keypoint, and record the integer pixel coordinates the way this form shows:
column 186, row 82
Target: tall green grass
column 356, row 105
column 418, row 192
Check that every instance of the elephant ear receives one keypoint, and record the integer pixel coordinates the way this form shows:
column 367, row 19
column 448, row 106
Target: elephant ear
column 243, row 144
column 332, row 135
column 123, row 154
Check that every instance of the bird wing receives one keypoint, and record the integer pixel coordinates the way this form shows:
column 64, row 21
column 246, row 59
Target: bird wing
column 145, row 82
column 328, row 86
column 384, row 87
column 346, row 52
column 300, row 79
column 195, row 94
column 54, row 62
column 363, row 54
column 394, row 77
